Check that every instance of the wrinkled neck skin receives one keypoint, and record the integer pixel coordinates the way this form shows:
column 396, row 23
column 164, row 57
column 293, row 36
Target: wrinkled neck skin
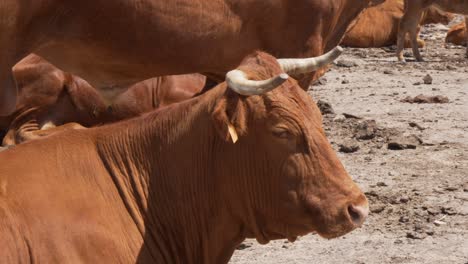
column 163, row 169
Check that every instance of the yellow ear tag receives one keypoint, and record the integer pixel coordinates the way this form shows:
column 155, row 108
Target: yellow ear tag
column 233, row 133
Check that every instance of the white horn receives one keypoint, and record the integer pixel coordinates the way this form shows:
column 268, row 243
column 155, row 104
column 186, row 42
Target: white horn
column 298, row 66
column 237, row 81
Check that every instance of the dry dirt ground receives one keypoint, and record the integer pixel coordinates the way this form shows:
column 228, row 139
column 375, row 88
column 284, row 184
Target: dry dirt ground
column 419, row 195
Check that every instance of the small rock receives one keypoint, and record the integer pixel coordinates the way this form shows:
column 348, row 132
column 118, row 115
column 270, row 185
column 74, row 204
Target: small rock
column 427, row 79
column 344, row 81
column 451, row 188
column 366, row 130
column 388, row 72
column 377, row 209
column 348, row 147
column 346, row 63
column 423, row 99
column 415, row 235
column 320, row 81
column 244, row 245
column 404, row 199
column 449, row 210
column 416, row 125
column 381, row 184
column 325, row 107
column 433, row 210
column 439, row 223
column 400, row 143
column 339, row 118
column 372, row 193
column 417, row 83
column 351, row 116
column 404, row 219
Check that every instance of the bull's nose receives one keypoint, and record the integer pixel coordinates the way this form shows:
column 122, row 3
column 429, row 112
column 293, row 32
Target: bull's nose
column 358, row 213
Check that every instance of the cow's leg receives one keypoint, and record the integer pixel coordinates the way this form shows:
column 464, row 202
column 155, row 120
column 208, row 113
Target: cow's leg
column 413, row 33
column 466, row 35
column 8, row 90
column 8, row 49
column 409, row 24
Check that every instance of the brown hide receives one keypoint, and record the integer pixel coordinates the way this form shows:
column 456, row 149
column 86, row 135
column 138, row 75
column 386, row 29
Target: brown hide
column 114, row 44
column 413, row 13
column 49, row 98
column 378, row 26
column 457, row 34
column 155, row 93
column 171, row 187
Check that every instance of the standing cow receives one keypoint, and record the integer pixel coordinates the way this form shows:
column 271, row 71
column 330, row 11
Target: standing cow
column 114, row 44
column 413, row 12
column 184, row 184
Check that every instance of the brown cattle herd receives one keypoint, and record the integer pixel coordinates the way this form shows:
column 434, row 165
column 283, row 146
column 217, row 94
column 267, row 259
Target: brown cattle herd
column 170, row 131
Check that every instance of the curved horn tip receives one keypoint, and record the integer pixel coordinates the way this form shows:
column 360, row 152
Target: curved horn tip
column 284, row 76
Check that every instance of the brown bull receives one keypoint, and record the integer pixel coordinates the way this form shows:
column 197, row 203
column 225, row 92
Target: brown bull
column 457, row 34
column 378, row 26
column 48, row 98
column 413, row 13
column 114, row 44
column 172, row 187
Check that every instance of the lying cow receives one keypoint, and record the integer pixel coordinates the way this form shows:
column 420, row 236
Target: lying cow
column 184, row 184
column 413, row 12
column 378, row 26
column 50, row 98
column 115, row 44
column 457, row 34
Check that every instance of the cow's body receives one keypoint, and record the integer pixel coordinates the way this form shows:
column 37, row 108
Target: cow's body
column 457, row 34
column 378, row 26
column 155, row 93
column 171, row 187
column 413, row 13
column 49, row 98
column 114, row 44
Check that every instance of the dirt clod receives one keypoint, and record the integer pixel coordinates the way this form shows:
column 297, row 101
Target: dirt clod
column 423, row 99
column 346, row 63
column 427, row 79
column 366, row 130
column 401, row 143
column 349, row 146
column 325, row 107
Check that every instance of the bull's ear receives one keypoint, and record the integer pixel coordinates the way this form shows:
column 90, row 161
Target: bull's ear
column 229, row 117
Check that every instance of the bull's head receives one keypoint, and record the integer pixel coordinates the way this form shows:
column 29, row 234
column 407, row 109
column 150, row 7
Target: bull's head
column 282, row 178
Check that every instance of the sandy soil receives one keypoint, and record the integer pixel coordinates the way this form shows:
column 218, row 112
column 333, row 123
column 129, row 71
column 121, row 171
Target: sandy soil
column 418, row 197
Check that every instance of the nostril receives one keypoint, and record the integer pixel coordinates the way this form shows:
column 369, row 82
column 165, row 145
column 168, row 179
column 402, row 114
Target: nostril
column 358, row 214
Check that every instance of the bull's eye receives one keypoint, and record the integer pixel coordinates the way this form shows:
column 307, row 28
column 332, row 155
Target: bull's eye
column 282, row 133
